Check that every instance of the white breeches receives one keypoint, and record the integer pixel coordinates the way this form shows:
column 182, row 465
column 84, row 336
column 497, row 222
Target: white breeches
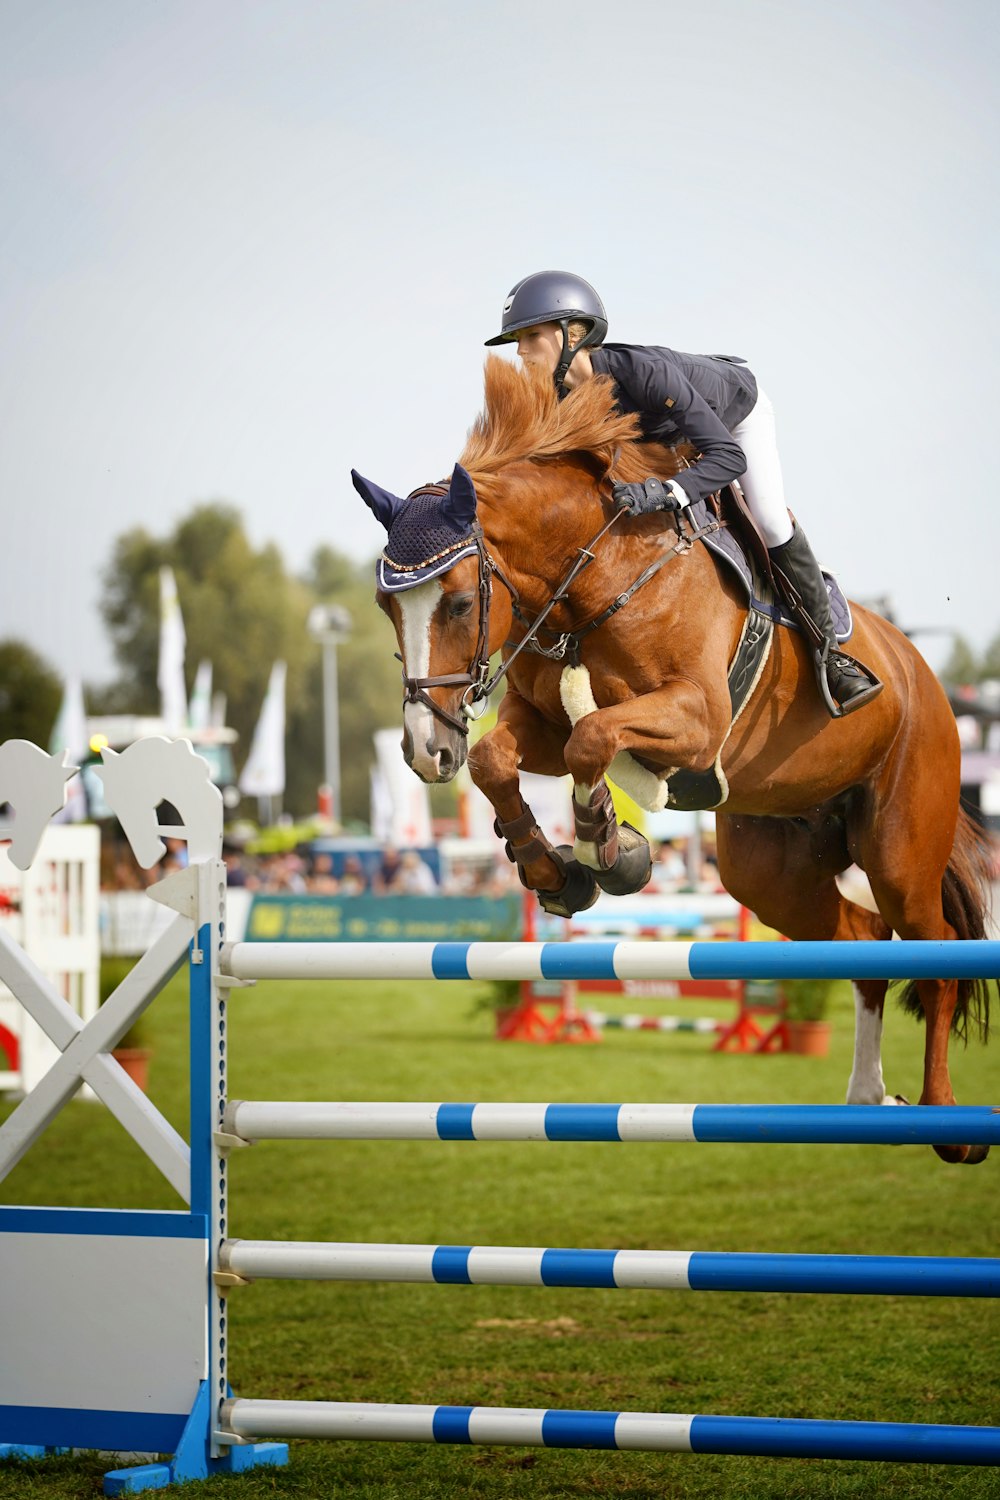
column 762, row 483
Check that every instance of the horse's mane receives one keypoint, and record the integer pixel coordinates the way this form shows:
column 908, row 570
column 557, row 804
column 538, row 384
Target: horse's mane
column 523, row 418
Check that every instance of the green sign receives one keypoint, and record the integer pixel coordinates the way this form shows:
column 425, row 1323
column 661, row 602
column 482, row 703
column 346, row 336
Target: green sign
column 385, row 919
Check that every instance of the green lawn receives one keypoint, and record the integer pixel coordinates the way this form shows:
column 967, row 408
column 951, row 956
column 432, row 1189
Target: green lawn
column 890, row 1358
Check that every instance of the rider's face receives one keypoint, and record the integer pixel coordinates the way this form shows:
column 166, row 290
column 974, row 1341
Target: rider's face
column 541, row 346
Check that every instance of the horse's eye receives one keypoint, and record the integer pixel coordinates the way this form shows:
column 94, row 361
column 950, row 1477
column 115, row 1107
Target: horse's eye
column 460, row 605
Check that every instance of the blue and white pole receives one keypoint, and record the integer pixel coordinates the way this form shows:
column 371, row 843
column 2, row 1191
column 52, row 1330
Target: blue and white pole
column 774, row 1437
column 609, row 960
column 825, row 1124
column 664, row 1270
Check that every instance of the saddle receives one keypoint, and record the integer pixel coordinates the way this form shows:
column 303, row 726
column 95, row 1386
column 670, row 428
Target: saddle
column 740, row 546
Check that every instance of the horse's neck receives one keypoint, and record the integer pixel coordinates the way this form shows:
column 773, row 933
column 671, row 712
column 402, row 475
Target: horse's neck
column 537, row 525
column 536, row 535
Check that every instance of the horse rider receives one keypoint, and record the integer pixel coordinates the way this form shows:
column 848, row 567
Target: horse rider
column 558, row 322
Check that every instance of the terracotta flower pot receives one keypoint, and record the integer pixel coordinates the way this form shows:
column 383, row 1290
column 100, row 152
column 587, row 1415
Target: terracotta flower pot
column 810, row 1038
column 135, row 1061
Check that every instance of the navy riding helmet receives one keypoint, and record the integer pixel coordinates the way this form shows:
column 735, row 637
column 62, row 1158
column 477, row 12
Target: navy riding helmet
column 554, row 297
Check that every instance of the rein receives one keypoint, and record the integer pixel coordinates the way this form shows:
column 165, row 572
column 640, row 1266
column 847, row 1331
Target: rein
column 477, row 681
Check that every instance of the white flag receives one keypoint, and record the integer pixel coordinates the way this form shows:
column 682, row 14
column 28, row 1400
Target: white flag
column 70, row 733
column 170, row 675
column 200, row 710
column 381, row 806
column 264, row 773
column 410, row 823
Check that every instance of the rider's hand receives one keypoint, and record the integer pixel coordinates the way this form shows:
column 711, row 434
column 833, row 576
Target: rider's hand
column 652, row 494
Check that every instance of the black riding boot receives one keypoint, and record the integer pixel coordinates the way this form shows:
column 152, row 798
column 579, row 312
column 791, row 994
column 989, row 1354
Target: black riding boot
column 843, row 683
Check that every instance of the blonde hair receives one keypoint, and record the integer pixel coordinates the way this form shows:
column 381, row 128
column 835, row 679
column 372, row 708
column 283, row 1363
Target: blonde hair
column 576, row 331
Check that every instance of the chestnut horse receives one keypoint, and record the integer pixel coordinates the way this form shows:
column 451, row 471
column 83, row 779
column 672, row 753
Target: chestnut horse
column 644, row 694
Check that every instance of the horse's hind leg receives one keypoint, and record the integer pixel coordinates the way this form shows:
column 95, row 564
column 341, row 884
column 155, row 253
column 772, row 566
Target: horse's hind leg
column 906, row 869
column 786, row 872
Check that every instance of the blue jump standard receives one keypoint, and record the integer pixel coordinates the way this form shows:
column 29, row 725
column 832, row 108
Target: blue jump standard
column 819, row 1124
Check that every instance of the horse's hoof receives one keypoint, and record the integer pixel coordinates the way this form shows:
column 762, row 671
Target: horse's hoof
column 578, row 891
column 633, row 867
column 969, row 1156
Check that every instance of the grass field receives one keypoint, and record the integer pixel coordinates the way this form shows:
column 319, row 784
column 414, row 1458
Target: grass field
column 887, row 1358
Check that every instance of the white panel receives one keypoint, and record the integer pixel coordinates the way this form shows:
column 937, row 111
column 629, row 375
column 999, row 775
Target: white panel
column 331, row 1419
column 505, row 960
column 328, row 960
column 656, row 1268
column 320, row 1261
column 499, row 1122
column 255, row 1120
column 516, row 1266
column 498, row 1424
column 652, row 960
column 660, row 1432
column 656, row 1122
column 109, row 1322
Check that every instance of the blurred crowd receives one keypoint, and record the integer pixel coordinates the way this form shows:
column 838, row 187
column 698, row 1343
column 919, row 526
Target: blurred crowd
column 393, row 872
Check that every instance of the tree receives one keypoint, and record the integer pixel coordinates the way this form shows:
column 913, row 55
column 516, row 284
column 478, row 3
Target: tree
column 30, row 694
column 962, row 666
column 990, row 665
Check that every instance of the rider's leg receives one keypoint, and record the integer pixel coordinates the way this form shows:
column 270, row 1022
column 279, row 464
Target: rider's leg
column 762, row 484
column 850, row 686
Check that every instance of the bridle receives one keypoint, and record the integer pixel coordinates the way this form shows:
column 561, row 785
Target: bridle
column 477, row 681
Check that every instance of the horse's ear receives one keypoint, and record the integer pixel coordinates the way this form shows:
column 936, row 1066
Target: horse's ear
column 382, row 503
column 460, row 501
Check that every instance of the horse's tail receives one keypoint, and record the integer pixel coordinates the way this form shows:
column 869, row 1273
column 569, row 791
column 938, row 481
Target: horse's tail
column 965, row 897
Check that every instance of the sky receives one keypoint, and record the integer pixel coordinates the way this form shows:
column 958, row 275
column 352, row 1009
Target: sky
column 247, row 246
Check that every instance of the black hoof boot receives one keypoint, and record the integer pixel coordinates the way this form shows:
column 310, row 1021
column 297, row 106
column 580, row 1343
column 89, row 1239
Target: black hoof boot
column 579, row 890
column 633, row 867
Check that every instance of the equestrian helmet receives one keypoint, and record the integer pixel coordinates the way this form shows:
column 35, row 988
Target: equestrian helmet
column 553, row 297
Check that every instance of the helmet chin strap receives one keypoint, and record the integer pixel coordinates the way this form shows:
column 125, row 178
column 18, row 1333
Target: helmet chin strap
column 565, row 360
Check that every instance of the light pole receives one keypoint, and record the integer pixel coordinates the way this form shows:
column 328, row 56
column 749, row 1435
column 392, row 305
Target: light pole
column 330, row 624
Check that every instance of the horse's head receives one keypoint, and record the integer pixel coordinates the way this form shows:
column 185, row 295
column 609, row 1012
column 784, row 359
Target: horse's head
column 159, row 770
column 434, row 583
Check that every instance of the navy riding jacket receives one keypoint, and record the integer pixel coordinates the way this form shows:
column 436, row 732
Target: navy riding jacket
column 699, row 397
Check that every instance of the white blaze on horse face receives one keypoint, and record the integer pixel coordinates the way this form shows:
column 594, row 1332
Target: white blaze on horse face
column 416, row 608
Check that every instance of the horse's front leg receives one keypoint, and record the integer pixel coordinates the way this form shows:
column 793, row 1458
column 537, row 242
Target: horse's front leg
column 522, row 739
column 675, row 726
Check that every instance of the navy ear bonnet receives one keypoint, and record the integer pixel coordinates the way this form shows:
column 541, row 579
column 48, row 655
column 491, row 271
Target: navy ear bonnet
column 428, row 533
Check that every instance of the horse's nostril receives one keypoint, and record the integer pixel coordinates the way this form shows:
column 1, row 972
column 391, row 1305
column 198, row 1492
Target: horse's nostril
column 446, row 760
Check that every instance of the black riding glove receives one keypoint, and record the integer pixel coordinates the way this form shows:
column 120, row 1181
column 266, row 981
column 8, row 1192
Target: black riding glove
column 641, row 499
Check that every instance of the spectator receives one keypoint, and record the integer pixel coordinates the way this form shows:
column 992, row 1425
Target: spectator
column 387, row 871
column 415, row 878
column 669, row 867
column 235, row 873
column 354, row 881
column 322, row 881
